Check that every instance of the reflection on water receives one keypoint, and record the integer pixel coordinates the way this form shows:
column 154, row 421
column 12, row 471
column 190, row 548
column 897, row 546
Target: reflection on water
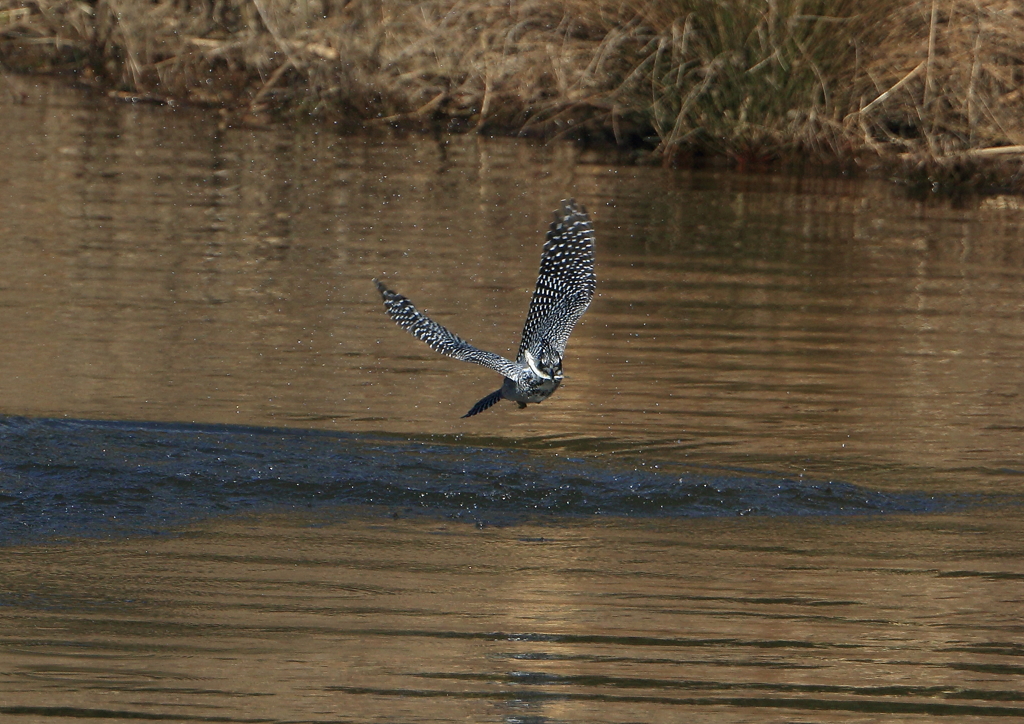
column 812, row 346
column 416, row 621
column 157, row 268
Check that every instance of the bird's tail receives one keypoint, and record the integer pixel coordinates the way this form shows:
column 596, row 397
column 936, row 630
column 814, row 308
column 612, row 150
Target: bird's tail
column 490, row 400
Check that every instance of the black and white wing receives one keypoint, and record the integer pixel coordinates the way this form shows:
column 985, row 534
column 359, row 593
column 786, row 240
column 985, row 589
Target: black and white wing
column 565, row 284
column 440, row 339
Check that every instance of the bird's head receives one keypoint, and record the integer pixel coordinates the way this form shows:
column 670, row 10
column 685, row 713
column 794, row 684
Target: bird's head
column 545, row 365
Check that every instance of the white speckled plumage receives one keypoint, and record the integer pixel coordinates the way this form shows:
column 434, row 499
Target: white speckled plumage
column 565, row 287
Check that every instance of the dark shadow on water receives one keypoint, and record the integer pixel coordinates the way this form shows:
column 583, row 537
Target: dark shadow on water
column 62, row 478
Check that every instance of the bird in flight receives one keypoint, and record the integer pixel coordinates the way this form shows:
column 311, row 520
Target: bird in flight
column 565, row 286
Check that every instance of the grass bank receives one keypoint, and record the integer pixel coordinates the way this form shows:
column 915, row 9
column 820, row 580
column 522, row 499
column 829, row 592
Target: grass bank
column 932, row 90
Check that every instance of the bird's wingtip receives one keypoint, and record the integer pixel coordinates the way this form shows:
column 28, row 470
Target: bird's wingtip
column 571, row 208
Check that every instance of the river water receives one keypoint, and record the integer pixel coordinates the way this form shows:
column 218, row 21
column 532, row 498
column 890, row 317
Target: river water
column 781, row 482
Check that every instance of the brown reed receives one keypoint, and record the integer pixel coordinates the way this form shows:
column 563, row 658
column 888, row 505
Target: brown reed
column 922, row 85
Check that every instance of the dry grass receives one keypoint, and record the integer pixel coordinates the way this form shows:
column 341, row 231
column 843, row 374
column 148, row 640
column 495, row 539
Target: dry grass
column 753, row 79
column 944, row 94
column 925, row 85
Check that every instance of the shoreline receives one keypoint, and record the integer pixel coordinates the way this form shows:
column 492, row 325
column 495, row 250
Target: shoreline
column 929, row 95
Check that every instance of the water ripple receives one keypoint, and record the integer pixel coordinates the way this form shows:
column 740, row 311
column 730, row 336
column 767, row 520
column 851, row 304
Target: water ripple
column 78, row 477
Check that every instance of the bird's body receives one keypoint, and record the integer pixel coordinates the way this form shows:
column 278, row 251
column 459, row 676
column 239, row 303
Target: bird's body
column 565, row 286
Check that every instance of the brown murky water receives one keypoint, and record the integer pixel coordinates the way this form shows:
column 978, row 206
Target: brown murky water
column 154, row 267
column 761, row 620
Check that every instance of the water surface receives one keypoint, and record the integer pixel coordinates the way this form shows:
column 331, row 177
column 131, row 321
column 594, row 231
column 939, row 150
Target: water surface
column 724, row 620
column 781, row 482
column 157, row 267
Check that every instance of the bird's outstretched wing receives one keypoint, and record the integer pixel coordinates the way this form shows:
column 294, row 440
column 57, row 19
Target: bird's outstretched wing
column 565, row 284
column 439, row 339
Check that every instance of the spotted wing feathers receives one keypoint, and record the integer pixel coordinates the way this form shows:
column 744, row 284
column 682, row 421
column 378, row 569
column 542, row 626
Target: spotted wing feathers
column 565, row 284
column 440, row 339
